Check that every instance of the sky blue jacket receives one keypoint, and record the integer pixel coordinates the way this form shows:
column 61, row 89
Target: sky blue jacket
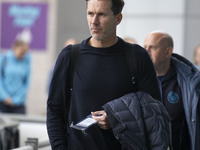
column 14, row 77
column 188, row 77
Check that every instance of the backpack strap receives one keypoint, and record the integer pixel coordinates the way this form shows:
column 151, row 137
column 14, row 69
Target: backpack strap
column 131, row 61
column 75, row 52
column 74, row 55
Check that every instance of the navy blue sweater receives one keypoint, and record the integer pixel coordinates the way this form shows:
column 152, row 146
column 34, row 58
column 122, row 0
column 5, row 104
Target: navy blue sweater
column 101, row 75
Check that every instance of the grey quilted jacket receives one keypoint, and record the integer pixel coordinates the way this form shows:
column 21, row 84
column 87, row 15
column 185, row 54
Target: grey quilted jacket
column 139, row 122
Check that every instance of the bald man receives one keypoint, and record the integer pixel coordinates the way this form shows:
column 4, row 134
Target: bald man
column 179, row 84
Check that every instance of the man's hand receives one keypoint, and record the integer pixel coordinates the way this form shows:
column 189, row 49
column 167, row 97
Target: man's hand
column 8, row 102
column 101, row 118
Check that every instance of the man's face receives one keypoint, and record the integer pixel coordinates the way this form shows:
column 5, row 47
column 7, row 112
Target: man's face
column 197, row 56
column 156, row 50
column 101, row 20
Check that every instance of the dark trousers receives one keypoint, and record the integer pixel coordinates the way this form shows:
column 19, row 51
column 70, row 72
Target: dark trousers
column 12, row 109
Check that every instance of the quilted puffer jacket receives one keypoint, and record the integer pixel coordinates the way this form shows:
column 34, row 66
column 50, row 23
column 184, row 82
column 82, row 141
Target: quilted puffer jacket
column 139, row 122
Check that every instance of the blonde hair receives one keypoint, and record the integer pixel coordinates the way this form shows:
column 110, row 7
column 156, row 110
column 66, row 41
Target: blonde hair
column 18, row 43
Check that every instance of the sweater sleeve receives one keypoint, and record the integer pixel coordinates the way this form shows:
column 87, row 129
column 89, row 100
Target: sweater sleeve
column 147, row 80
column 57, row 100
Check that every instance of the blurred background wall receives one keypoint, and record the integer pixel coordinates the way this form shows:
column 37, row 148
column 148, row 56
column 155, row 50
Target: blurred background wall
column 67, row 18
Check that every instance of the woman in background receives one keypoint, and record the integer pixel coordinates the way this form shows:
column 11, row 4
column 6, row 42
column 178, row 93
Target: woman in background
column 14, row 78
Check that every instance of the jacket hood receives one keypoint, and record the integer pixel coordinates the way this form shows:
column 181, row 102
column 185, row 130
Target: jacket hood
column 185, row 69
column 186, row 64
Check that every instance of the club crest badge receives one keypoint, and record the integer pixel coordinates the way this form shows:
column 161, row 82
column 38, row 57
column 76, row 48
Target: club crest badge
column 173, row 97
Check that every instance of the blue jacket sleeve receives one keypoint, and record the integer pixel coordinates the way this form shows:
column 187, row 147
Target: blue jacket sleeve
column 3, row 93
column 57, row 101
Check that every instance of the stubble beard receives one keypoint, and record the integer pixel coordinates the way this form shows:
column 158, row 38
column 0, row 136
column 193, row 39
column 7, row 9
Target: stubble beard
column 102, row 36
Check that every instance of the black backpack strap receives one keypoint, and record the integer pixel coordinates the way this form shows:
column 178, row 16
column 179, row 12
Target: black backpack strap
column 131, row 60
column 75, row 52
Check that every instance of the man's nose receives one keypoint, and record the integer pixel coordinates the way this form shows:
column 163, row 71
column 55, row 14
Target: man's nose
column 146, row 47
column 148, row 50
column 95, row 19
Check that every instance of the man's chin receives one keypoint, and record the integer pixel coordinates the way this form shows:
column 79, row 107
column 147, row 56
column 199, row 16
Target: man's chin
column 97, row 38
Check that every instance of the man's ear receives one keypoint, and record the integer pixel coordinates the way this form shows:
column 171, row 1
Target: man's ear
column 169, row 51
column 118, row 18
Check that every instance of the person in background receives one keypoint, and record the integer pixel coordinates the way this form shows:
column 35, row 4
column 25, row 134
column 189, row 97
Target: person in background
column 180, row 85
column 197, row 57
column 101, row 75
column 14, row 78
column 70, row 41
column 130, row 40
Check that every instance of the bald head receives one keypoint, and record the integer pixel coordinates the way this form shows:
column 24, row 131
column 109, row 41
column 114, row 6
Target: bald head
column 159, row 45
column 162, row 38
column 70, row 41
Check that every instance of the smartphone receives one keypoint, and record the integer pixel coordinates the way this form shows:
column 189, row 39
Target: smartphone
column 84, row 124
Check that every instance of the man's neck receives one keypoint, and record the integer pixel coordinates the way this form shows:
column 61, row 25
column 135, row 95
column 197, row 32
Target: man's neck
column 162, row 70
column 102, row 43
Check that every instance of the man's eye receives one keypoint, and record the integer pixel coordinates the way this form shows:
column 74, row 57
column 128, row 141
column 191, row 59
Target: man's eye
column 153, row 47
column 90, row 14
column 101, row 14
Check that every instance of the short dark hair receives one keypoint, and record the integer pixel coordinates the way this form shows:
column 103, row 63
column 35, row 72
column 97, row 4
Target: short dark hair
column 117, row 6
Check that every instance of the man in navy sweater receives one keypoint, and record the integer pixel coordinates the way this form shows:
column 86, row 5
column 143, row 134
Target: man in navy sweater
column 101, row 75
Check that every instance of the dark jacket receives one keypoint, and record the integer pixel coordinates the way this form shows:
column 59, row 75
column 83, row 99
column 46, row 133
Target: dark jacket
column 139, row 122
column 189, row 81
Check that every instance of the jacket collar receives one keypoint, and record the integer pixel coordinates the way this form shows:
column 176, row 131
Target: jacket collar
column 185, row 69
